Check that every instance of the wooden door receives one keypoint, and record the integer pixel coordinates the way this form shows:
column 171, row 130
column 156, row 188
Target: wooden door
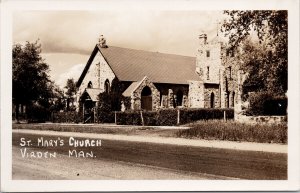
column 146, row 103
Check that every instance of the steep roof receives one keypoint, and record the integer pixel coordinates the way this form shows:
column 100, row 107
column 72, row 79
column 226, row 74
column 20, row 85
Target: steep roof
column 131, row 88
column 93, row 93
column 134, row 65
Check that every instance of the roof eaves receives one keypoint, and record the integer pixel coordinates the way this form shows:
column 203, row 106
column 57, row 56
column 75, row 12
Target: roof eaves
column 86, row 68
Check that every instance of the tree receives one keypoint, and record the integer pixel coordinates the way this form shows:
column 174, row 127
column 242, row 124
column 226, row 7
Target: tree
column 30, row 75
column 271, row 28
column 104, row 108
column 57, row 101
column 71, row 91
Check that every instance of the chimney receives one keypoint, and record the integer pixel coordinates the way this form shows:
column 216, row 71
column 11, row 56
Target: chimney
column 203, row 38
column 102, row 42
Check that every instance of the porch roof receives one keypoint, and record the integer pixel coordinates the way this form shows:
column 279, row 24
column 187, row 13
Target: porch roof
column 130, row 89
column 93, row 93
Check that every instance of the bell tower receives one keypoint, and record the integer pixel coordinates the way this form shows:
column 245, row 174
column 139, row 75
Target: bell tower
column 208, row 60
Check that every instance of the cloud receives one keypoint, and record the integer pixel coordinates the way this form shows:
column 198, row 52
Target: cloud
column 78, row 31
column 73, row 72
column 68, row 37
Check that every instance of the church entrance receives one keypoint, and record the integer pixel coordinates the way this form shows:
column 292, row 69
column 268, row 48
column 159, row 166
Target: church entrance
column 146, row 99
column 88, row 108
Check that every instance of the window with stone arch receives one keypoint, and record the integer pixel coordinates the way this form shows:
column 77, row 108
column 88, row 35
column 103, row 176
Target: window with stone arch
column 179, row 96
column 232, row 103
column 212, row 100
column 106, row 86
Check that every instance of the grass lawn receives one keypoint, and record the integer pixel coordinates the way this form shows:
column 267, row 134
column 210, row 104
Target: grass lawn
column 233, row 131
column 209, row 130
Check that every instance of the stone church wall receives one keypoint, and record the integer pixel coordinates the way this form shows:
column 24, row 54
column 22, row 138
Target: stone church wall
column 230, row 78
column 136, row 95
column 168, row 93
column 98, row 72
column 209, row 89
column 208, row 62
column 196, row 94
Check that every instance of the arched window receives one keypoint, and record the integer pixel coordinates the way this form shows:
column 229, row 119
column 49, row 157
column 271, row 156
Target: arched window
column 227, row 99
column 146, row 99
column 179, row 95
column 106, row 86
column 212, row 100
column 90, row 85
column 233, row 93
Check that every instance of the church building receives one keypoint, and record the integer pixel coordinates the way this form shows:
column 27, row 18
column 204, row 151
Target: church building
column 154, row 80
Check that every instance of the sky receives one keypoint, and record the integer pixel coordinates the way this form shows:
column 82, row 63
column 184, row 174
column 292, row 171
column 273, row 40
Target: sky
column 68, row 37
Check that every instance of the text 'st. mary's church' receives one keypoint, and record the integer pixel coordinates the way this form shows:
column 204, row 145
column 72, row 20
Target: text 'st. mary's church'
column 153, row 80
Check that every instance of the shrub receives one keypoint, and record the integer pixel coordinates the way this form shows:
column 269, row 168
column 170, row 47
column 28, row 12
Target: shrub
column 264, row 103
column 167, row 117
column 67, row 117
column 129, row 118
column 104, row 109
column 37, row 114
column 191, row 115
column 150, row 118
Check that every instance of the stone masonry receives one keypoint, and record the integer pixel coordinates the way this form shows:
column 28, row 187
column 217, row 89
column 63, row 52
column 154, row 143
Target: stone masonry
column 136, row 95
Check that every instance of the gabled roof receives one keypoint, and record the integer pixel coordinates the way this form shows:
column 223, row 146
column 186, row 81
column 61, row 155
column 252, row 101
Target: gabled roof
column 93, row 93
column 131, row 88
column 134, row 65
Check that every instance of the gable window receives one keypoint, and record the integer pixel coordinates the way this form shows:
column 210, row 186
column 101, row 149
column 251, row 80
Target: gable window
column 90, row 85
column 207, row 73
column 207, row 53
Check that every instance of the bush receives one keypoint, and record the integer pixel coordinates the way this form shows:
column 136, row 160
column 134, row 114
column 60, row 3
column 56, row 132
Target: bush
column 66, row 117
column 37, row 114
column 104, row 109
column 129, row 118
column 263, row 103
column 150, row 118
column 191, row 115
column 167, row 117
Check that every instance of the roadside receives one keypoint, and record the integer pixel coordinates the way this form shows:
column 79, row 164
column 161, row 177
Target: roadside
column 56, row 169
column 246, row 146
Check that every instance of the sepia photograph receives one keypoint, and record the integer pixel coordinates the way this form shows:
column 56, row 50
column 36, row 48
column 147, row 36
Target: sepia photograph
column 153, row 94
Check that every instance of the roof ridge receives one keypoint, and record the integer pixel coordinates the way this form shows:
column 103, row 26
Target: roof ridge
column 147, row 51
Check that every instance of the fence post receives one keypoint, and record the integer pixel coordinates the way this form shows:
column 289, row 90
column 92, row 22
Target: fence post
column 115, row 117
column 83, row 113
column 142, row 118
column 178, row 116
column 94, row 114
column 225, row 116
